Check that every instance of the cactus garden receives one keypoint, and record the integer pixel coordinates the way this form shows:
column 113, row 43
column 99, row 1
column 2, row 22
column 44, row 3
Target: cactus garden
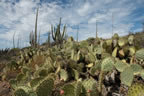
column 64, row 65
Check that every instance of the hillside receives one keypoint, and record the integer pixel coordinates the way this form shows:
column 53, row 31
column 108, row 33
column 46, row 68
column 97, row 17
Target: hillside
column 93, row 67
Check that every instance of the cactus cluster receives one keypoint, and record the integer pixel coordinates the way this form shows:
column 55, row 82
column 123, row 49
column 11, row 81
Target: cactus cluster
column 76, row 68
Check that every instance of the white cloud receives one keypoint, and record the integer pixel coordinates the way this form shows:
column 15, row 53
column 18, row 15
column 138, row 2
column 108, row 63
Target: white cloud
column 20, row 17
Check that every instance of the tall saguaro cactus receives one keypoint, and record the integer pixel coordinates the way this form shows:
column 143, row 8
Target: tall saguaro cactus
column 33, row 36
column 48, row 41
column 112, row 24
column 36, row 28
column 57, row 36
column 31, row 39
column 77, row 33
column 96, row 30
column 14, row 40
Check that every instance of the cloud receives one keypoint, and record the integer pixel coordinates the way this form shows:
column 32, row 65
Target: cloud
column 19, row 16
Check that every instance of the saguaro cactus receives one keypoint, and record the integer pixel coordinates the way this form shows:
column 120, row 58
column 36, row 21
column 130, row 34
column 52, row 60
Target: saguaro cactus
column 56, row 34
column 48, row 41
column 33, row 36
column 36, row 28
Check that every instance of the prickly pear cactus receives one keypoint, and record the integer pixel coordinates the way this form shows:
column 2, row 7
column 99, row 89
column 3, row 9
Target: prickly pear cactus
column 107, row 64
column 35, row 81
column 115, row 51
column 90, row 87
column 13, row 83
column 136, row 68
column 127, row 76
column 68, row 90
column 95, row 68
column 122, row 42
column 132, row 50
column 20, row 92
column 45, row 87
column 120, row 66
column 63, row 75
column 140, row 54
column 115, row 36
column 131, row 39
column 136, row 89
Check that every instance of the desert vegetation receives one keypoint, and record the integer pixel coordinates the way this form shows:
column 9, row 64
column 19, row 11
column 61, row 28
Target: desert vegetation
column 68, row 67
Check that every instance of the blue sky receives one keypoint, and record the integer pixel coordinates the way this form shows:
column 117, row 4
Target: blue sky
column 19, row 16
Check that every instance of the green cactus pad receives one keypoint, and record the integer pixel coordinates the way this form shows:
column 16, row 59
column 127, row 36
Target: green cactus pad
column 107, row 64
column 13, row 83
column 142, row 74
column 20, row 92
column 131, row 39
column 32, row 94
column 76, row 74
column 132, row 50
column 25, row 69
column 91, row 57
column 114, row 53
column 140, row 54
column 35, row 81
column 96, row 67
column 45, row 87
column 122, row 42
column 115, row 36
column 78, row 87
column 68, row 90
column 72, row 89
column 63, row 75
column 136, row 68
column 127, row 76
column 90, row 85
column 20, row 77
column 120, row 66
column 136, row 89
